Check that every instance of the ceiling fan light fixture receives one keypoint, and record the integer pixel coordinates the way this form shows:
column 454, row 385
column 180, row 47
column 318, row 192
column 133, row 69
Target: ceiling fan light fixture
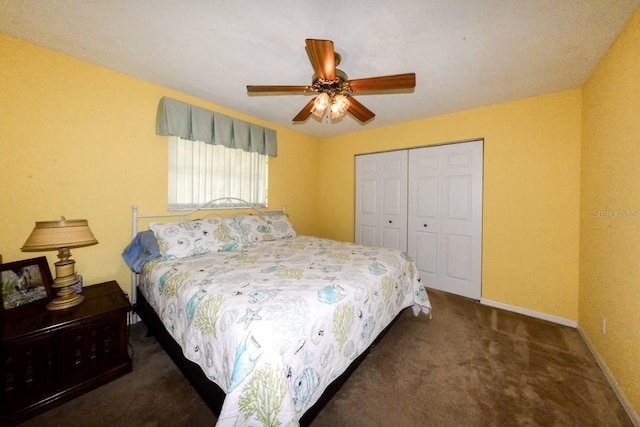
column 334, row 89
column 339, row 106
column 320, row 104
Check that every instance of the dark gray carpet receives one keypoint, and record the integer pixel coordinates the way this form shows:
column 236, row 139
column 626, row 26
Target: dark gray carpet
column 470, row 365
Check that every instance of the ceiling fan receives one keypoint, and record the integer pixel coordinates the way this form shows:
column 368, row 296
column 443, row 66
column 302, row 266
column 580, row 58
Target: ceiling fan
column 333, row 87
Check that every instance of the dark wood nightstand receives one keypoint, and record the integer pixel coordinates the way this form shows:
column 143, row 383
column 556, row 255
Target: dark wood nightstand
column 50, row 357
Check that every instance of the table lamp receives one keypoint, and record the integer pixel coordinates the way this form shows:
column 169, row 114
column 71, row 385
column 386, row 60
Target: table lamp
column 61, row 235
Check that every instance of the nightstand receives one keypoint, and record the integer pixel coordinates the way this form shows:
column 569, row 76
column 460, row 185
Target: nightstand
column 50, row 357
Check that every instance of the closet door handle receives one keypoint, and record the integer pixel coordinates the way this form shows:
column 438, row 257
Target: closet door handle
column 390, row 222
column 424, row 225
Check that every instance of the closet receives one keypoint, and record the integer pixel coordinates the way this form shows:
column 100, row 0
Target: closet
column 381, row 199
column 428, row 202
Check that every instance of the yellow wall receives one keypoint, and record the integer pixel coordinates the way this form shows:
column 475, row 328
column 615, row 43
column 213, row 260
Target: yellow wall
column 609, row 240
column 79, row 140
column 531, row 192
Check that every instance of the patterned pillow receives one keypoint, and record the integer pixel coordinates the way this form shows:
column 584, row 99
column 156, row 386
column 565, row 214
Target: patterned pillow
column 249, row 228
column 258, row 228
column 183, row 239
column 280, row 226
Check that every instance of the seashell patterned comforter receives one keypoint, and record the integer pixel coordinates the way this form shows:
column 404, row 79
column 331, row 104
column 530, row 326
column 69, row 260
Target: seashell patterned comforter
column 274, row 323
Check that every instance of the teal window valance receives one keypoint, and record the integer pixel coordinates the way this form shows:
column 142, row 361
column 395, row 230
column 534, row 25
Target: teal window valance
column 194, row 123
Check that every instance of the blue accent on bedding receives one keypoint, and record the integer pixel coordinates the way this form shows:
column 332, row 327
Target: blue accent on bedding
column 143, row 248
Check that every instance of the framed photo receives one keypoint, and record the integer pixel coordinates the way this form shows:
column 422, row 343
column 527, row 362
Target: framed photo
column 25, row 282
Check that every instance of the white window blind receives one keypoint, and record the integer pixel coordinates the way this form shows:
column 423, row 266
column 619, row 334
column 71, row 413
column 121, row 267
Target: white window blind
column 200, row 172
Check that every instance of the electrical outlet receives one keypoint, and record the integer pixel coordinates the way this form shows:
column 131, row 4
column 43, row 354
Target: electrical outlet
column 603, row 325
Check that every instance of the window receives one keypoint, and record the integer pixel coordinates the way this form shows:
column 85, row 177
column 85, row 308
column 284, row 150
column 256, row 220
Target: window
column 200, row 172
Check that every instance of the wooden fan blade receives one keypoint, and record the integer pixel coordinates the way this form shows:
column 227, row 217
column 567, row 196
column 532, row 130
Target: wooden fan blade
column 397, row 81
column 322, row 58
column 359, row 111
column 305, row 112
column 258, row 89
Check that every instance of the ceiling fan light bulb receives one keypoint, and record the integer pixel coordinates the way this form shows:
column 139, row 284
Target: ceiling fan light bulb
column 342, row 102
column 320, row 104
column 339, row 106
column 335, row 112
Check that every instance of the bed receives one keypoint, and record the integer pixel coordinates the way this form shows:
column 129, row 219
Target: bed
column 265, row 323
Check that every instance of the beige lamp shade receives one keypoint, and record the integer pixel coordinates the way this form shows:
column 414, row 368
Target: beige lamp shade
column 62, row 235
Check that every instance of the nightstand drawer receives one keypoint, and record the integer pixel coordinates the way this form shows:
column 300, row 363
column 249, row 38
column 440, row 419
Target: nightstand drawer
column 27, row 371
column 91, row 348
column 50, row 357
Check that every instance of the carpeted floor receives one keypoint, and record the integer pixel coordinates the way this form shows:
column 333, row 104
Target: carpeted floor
column 471, row 365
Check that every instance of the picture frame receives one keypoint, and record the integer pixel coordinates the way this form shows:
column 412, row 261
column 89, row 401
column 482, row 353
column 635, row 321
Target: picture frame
column 24, row 283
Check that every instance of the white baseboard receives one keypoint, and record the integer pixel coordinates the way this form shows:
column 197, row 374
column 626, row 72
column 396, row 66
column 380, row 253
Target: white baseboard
column 635, row 419
column 530, row 313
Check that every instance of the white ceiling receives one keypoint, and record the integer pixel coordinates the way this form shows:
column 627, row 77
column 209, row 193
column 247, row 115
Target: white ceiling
column 465, row 53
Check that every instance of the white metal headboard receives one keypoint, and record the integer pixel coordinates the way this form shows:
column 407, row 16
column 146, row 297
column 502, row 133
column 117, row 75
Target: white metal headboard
column 221, row 203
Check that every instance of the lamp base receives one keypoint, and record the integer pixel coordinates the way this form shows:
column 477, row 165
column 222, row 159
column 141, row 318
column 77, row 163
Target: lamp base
column 65, row 278
column 66, row 298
